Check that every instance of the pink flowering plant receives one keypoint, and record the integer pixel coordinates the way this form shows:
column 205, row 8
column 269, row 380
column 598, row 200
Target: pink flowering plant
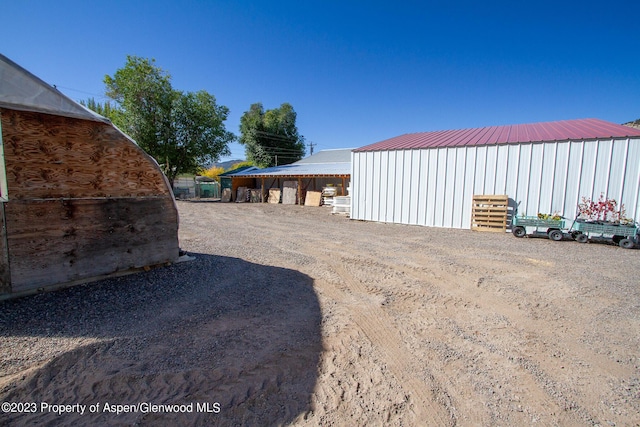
column 602, row 210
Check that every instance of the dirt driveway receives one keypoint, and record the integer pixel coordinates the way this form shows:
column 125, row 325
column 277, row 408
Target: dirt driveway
column 291, row 315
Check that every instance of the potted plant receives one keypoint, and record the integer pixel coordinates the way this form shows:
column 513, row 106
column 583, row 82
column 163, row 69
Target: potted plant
column 602, row 211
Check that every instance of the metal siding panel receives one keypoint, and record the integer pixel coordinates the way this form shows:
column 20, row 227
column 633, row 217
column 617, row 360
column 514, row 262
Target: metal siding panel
column 406, row 185
column 502, row 167
column 535, row 178
column 602, row 169
column 481, row 166
column 432, row 187
column 440, row 187
column 631, row 191
column 560, row 178
column 547, row 175
column 415, row 187
column 587, row 177
column 355, row 186
column 384, row 185
column 574, row 173
column 469, row 181
column 392, row 186
column 512, row 167
column 449, row 188
column 617, row 169
column 490, row 170
column 375, row 186
column 399, row 190
column 459, row 189
column 524, row 175
column 362, row 186
column 364, row 189
column 366, row 182
column 372, row 200
column 406, row 201
column 422, row 194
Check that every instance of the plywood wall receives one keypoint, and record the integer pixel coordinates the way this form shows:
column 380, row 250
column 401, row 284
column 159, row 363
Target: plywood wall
column 50, row 156
column 57, row 241
column 83, row 201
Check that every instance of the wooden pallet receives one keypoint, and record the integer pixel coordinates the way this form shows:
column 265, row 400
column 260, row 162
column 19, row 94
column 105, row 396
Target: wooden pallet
column 490, row 213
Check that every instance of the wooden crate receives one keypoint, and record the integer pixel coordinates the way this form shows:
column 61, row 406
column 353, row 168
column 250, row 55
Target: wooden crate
column 490, row 213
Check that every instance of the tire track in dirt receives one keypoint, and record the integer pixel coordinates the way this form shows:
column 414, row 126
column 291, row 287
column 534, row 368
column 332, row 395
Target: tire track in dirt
column 427, row 406
column 547, row 393
column 452, row 303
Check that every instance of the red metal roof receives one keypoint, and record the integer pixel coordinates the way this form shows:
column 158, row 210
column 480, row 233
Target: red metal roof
column 564, row 130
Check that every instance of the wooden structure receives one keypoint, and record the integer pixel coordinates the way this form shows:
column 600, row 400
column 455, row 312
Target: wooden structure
column 226, row 183
column 79, row 199
column 490, row 213
column 327, row 167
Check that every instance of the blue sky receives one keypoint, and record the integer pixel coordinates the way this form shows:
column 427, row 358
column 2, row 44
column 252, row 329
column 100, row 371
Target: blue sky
column 356, row 72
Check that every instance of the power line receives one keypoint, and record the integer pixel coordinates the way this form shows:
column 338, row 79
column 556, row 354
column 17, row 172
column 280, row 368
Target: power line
column 282, row 150
column 276, row 136
column 82, row 91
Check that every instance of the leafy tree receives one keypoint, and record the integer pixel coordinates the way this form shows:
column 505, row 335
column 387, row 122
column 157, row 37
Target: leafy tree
column 182, row 131
column 213, row 172
column 271, row 137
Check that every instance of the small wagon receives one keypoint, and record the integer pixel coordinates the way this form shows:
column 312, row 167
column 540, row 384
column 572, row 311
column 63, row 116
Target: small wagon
column 626, row 236
column 552, row 228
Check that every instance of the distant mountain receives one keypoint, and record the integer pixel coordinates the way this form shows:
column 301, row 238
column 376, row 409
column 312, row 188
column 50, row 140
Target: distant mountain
column 633, row 124
column 226, row 165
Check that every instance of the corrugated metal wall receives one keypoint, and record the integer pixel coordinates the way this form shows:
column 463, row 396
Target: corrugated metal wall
column 434, row 187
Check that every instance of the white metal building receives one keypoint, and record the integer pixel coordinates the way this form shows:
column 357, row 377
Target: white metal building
column 430, row 178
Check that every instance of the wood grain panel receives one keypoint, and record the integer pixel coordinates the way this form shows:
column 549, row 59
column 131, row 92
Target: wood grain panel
column 313, row 198
column 58, row 241
column 5, row 276
column 49, row 156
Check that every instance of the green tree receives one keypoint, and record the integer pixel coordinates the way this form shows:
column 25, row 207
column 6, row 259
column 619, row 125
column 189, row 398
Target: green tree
column 182, row 131
column 271, row 137
column 104, row 110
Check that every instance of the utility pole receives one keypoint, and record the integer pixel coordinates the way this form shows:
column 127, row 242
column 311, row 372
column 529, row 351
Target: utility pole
column 311, row 144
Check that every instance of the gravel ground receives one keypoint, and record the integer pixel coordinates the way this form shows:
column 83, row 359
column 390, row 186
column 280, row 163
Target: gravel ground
column 289, row 315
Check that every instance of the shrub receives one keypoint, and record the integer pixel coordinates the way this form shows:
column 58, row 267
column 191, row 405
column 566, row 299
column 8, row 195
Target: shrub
column 602, row 210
